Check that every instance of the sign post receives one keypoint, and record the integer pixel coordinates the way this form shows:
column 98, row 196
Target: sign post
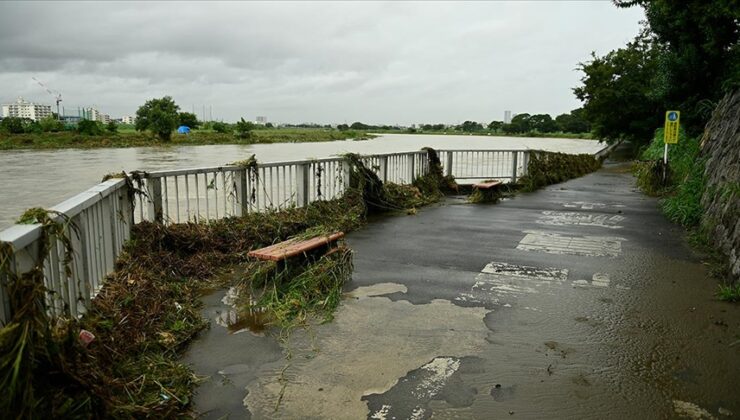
column 670, row 135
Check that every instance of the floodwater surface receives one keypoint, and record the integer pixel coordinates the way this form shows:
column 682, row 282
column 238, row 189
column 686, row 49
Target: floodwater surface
column 43, row 178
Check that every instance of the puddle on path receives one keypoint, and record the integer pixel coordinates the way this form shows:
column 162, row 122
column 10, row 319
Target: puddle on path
column 371, row 343
column 243, row 315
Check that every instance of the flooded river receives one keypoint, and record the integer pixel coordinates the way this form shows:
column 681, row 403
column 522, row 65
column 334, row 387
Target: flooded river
column 42, row 178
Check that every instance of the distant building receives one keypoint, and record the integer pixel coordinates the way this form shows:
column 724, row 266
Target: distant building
column 104, row 118
column 261, row 120
column 507, row 117
column 71, row 119
column 127, row 119
column 24, row 109
column 91, row 114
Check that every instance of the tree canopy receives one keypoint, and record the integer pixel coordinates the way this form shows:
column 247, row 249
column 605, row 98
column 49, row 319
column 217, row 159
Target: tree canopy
column 686, row 58
column 188, row 119
column 160, row 116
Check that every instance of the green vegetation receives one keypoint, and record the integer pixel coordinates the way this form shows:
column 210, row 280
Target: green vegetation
column 546, row 168
column 684, row 184
column 570, row 125
column 159, row 116
column 686, row 58
column 729, row 293
column 188, row 119
column 244, row 129
column 126, row 138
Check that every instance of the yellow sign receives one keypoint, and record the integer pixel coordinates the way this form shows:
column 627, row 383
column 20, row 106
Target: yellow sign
column 670, row 133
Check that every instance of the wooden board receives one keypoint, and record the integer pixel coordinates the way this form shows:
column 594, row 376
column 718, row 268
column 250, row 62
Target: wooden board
column 293, row 247
column 487, row 185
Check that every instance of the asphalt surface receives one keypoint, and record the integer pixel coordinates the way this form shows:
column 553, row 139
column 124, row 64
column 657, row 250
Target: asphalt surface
column 576, row 301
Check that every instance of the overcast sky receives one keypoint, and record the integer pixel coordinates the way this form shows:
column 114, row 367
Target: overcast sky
column 310, row 62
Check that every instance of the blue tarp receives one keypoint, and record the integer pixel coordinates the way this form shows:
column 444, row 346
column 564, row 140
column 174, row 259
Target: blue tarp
column 183, row 129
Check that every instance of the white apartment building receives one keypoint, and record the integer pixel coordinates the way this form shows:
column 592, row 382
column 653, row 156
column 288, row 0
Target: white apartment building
column 25, row 109
column 127, row 119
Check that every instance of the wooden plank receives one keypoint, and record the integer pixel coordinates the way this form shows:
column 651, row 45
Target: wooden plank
column 293, row 247
column 487, row 185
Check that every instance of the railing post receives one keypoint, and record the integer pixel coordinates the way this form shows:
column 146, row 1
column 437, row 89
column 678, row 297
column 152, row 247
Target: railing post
column 346, row 174
column 80, row 243
column 411, row 160
column 302, row 184
column 448, row 165
column 514, row 156
column 127, row 198
column 154, row 191
column 242, row 192
column 384, row 168
column 525, row 162
column 5, row 313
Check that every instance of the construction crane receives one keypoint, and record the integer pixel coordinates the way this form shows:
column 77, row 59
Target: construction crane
column 57, row 96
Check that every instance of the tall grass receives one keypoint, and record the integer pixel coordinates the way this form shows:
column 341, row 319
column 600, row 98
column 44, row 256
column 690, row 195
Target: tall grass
column 682, row 192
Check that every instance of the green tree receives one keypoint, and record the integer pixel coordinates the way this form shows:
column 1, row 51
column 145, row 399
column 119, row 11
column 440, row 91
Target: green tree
column 619, row 92
column 112, row 127
column 160, row 116
column 89, row 127
column 700, row 53
column 470, row 126
column 520, row 123
column 188, row 119
column 51, row 125
column 220, row 127
column 495, row 125
column 14, row 125
column 359, row 126
column 573, row 122
column 244, row 129
column 543, row 123
column 342, row 127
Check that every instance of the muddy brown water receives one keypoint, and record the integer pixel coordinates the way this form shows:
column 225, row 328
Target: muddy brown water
column 487, row 311
column 42, row 178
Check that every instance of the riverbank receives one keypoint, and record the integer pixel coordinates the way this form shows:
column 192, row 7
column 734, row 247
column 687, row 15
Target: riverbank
column 530, row 134
column 72, row 140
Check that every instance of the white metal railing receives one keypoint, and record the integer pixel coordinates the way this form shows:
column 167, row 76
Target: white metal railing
column 99, row 220
column 97, row 223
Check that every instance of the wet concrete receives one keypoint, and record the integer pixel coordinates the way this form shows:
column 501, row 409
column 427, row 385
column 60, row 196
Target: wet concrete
column 576, row 301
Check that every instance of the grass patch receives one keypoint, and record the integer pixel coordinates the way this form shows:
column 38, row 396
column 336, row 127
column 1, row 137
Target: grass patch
column 729, row 293
column 67, row 139
column 684, row 185
column 301, row 288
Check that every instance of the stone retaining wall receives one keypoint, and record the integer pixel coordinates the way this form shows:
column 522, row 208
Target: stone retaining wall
column 721, row 199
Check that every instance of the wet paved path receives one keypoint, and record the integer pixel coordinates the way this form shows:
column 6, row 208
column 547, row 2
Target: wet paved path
column 576, row 301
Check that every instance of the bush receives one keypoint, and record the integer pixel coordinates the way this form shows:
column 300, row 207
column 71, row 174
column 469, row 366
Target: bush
column 112, row 127
column 51, row 125
column 14, row 125
column 244, row 129
column 685, row 184
column 91, row 128
column 220, row 127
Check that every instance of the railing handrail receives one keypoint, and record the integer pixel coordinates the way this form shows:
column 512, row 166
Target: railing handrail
column 20, row 236
column 234, row 168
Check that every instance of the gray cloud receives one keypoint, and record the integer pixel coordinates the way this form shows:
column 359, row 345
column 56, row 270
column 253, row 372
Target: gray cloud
column 323, row 62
